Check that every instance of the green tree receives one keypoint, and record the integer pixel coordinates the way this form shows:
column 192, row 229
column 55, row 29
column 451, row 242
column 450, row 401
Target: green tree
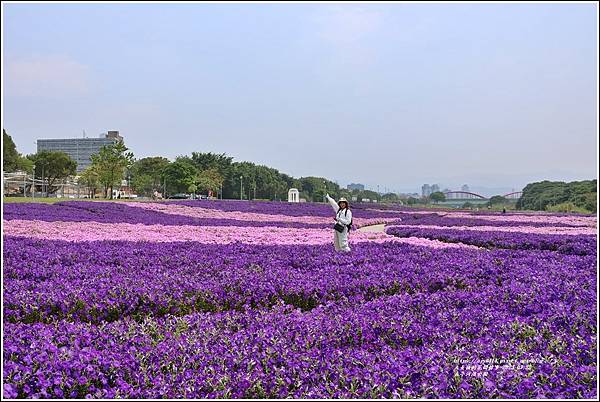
column 90, row 179
column 583, row 194
column 390, row 197
column 546, row 194
column 180, row 175
column 317, row 187
column 412, row 201
column 223, row 165
column 10, row 155
column 208, row 160
column 259, row 181
column 497, row 200
column 12, row 160
column 437, row 196
column 110, row 163
column 52, row 166
column 566, row 207
column 268, row 182
column 209, row 180
column 590, row 202
column 248, row 172
column 147, row 174
column 192, row 188
column 371, row 195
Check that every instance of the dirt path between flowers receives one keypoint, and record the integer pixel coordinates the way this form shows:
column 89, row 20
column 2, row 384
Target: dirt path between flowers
column 372, row 228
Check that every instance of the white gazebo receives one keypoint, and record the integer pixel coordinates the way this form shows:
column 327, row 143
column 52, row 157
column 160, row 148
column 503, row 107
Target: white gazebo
column 293, row 195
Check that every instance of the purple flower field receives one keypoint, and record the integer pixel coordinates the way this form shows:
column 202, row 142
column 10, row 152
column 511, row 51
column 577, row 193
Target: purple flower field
column 496, row 314
column 565, row 244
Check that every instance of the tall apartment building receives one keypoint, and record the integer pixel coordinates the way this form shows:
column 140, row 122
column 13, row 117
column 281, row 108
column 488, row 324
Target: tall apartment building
column 425, row 190
column 356, row 186
column 79, row 149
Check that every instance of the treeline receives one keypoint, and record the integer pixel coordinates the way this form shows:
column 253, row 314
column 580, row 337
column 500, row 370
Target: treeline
column 219, row 174
column 204, row 172
column 12, row 160
column 558, row 196
column 198, row 173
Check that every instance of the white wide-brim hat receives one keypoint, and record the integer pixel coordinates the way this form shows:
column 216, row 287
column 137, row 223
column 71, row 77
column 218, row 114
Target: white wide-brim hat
column 343, row 200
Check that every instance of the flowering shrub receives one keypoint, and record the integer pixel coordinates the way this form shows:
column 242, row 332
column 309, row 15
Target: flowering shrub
column 460, row 219
column 566, row 244
column 217, row 299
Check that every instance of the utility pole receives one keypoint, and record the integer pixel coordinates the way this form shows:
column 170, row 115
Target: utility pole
column 241, row 191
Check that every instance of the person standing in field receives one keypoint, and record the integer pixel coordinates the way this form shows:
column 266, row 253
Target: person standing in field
column 343, row 222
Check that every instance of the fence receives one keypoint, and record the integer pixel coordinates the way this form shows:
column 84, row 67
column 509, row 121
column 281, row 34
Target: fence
column 23, row 184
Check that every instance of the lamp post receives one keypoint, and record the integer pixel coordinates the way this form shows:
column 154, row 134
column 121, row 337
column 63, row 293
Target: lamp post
column 33, row 186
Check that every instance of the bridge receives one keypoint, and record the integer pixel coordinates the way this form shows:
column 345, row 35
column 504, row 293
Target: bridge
column 467, row 195
column 514, row 195
column 463, row 195
column 458, row 198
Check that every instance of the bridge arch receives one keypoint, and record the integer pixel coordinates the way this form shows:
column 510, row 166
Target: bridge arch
column 514, row 195
column 463, row 195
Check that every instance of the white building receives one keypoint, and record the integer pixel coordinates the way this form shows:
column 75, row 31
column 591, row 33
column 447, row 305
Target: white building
column 293, row 195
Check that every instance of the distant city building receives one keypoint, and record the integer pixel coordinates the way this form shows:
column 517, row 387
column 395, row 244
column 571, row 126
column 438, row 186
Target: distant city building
column 356, row 186
column 465, row 188
column 427, row 190
column 79, row 149
column 446, row 190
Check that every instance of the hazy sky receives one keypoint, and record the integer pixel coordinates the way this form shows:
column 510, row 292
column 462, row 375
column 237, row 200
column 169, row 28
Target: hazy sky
column 492, row 95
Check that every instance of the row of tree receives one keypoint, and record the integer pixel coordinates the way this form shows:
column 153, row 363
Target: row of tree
column 204, row 172
column 218, row 173
column 198, row 173
column 560, row 196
